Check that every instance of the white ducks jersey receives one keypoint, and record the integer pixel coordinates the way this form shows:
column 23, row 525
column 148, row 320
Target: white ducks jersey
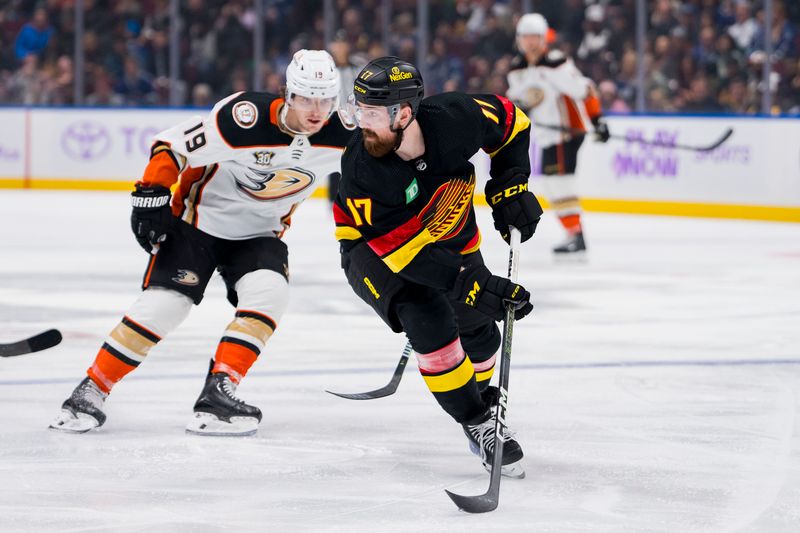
column 239, row 175
column 552, row 91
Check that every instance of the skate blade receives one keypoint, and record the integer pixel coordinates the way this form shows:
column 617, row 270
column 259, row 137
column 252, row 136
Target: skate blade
column 571, row 257
column 208, row 425
column 513, row 470
column 69, row 422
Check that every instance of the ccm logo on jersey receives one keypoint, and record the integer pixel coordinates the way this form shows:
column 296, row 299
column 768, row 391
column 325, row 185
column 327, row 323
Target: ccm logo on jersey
column 371, row 288
column 396, row 75
column 508, row 193
column 276, row 183
column 186, row 277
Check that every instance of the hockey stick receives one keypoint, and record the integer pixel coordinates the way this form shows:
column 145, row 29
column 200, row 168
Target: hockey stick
column 487, row 501
column 386, row 390
column 42, row 341
column 659, row 144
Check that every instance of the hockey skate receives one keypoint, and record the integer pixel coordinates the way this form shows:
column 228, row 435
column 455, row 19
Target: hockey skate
column 83, row 410
column 218, row 412
column 574, row 248
column 481, row 443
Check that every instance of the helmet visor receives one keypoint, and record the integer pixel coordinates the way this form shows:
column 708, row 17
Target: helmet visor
column 305, row 103
column 367, row 117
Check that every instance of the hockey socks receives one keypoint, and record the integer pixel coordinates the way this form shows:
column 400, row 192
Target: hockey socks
column 450, row 376
column 155, row 314
column 242, row 342
column 562, row 193
column 123, row 351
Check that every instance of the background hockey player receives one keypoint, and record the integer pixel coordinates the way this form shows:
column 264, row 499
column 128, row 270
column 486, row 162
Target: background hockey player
column 240, row 175
column 409, row 240
column 561, row 103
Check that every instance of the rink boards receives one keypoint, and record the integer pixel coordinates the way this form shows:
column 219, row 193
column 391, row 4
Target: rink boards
column 755, row 174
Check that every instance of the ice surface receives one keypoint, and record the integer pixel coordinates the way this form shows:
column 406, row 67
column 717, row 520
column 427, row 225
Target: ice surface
column 654, row 388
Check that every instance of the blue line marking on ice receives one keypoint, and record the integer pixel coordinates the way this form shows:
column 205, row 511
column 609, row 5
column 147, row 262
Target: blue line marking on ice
column 388, row 371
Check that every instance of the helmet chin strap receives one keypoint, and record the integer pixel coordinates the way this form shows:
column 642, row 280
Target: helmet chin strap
column 399, row 131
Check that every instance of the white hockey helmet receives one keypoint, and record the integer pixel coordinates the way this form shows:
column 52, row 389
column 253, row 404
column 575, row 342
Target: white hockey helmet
column 313, row 74
column 532, row 24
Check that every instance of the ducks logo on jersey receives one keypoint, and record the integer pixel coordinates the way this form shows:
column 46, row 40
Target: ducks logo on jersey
column 275, row 183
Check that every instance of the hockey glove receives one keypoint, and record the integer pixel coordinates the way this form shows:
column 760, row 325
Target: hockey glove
column 487, row 293
column 601, row 133
column 151, row 219
column 514, row 205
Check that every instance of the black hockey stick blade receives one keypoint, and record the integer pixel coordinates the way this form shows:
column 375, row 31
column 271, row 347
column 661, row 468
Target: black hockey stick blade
column 387, row 390
column 658, row 144
column 483, row 503
column 719, row 142
column 42, row 341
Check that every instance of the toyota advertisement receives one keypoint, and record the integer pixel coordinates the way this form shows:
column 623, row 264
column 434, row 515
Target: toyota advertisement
column 98, row 148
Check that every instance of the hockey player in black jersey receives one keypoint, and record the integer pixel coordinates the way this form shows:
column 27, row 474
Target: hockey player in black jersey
column 409, row 241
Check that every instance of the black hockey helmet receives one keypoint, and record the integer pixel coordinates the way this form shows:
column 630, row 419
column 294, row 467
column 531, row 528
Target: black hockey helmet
column 389, row 81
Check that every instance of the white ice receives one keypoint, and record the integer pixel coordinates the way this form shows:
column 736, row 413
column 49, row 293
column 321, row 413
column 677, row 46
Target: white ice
column 654, row 388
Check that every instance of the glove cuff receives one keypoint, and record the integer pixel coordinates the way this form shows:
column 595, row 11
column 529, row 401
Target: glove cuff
column 150, row 198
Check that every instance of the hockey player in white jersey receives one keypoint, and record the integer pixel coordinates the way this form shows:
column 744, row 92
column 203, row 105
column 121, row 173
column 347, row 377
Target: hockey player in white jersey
column 563, row 106
column 236, row 177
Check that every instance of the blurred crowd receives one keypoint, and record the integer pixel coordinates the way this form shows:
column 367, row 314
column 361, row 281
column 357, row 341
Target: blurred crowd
column 702, row 55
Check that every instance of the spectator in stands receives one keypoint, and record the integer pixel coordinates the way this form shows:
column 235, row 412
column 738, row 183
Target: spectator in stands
column 783, row 34
column 443, row 69
column 596, row 35
column 201, row 95
column 340, row 51
column 663, row 19
column 34, row 36
column 102, row 90
column 744, row 29
column 700, row 97
column 135, row 86
column 26, row 85
column 609, row 100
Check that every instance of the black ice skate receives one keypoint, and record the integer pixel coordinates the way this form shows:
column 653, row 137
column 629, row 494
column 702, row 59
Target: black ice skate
column 218, row 412
column 573, row 247
column 83, row 410
column 481, row 443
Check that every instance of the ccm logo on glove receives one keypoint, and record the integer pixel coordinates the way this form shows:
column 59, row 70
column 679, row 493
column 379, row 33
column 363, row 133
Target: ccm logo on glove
column 507, row 193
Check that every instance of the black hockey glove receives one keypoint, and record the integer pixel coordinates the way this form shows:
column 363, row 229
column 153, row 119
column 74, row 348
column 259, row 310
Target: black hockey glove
column 601, row 133
column 487, row 293
column 514, row 205
column 151, row 219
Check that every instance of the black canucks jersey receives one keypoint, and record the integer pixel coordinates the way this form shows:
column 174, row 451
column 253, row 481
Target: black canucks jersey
column 417, row 215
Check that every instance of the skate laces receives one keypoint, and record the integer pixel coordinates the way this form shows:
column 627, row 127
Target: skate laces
column 90, row 392
column 229, row 388
column 483, row 434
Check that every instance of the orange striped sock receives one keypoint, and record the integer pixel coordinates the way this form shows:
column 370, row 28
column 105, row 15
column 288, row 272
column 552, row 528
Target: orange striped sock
column 234, row 357
column 124, row 349
column 572, row 223
column 109, row 367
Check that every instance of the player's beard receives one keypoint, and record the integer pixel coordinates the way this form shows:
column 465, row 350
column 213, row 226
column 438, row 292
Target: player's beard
column 377, row 146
